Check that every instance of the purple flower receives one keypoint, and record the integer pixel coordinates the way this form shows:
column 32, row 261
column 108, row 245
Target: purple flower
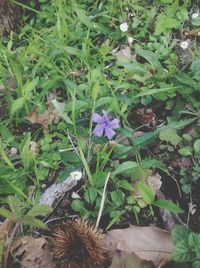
column 104, row 126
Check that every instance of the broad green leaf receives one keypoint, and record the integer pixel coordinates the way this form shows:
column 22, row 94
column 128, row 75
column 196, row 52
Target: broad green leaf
column 193, row 240
column 151, row 57
column 179, row 233
column 197, row 146
column 125, row 185
column 168, row 205
column 17, row 105
column 185, row 151
column 118, row 197
column 170, row 135
column 164, row 24
column 147, row 193
column 103, row 101
column 181, row 252
column 126, row 167
column 90, row 194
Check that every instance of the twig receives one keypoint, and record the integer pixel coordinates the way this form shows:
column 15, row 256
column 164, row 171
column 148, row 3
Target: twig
column 102, row 201
column 5, row 262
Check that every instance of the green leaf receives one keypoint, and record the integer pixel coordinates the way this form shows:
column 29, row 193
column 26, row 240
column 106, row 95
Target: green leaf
column 83, row 17
column 95, row 90
column 7, row 214
column 30, row 86
column 170, row 135
column 181, row 252
column 39, row 210
column 121, row 151
column 185, row 151
column 61, row 110
column 118, row 197
column 147, row 193
column 151, row 57
column 196, row 263
column 6, row 134
column 125, row 185
column 90, row 195
column 168, row 205
column 17, row 105
column 193, row 239
column 179, row 233
column 164, row 24
column 126, row 167
column 197, row 146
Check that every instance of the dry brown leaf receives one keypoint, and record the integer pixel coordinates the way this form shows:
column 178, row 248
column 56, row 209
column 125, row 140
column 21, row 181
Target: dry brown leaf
column 128, row 260
column 45, row 119
column 32, row 252
column 154, row 181
column 148, row 243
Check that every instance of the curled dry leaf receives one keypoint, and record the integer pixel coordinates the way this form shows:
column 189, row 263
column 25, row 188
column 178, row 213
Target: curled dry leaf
column 154, row 181
column 30, row 252
column 45, row 119
column 148, row 243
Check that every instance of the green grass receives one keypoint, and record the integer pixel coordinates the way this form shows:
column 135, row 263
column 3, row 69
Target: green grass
column 66, row 49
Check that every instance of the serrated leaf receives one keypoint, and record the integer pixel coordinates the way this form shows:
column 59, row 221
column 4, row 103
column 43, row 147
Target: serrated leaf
column 17, row 105
column 170, row 135
column 39, row 210
column 83, row 17
column 95, row 90
column 7, row 214
column 168, row 205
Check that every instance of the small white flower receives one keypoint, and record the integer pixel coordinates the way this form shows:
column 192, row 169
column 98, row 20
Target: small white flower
column 130, row 40
column 124, row 27
column 184, row 45
column 195, row 15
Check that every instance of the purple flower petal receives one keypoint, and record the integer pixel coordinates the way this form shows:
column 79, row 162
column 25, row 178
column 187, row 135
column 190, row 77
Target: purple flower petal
column 109, row 133
column 106, row 116
column 98, row 131
column 114, row 123
column 97, row 118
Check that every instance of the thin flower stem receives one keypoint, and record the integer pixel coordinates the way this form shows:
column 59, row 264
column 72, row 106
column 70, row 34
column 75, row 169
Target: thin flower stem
column 102, row 201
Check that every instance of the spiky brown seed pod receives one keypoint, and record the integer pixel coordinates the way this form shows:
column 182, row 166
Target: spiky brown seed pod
column 76, row 244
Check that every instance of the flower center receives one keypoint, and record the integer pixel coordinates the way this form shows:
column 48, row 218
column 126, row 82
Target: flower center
column 105, row 123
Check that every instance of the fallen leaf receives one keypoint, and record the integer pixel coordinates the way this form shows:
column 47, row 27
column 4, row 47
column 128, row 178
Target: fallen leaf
column 148, row 243
column 32, row 252
column 128, row 260
column 123, row 54
column 154, row 181
column 45, row 119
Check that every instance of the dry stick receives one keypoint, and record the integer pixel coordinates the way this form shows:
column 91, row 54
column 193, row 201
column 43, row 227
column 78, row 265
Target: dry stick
column 102, row 201
column 5, row 265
